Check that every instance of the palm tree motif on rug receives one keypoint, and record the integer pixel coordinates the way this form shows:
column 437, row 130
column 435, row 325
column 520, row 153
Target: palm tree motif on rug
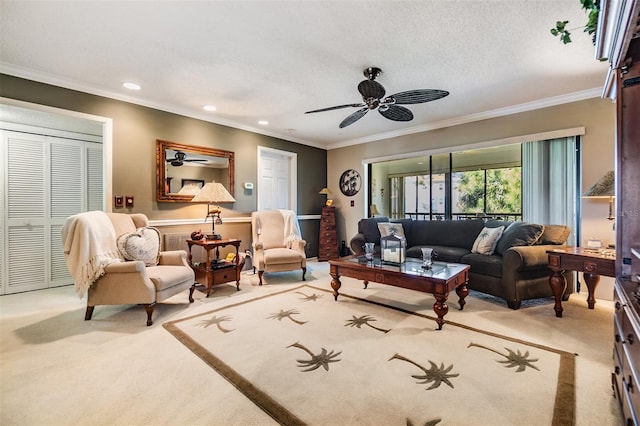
column 427, row 423
column 513, row 359
column 434, row 374
column 364, row 320
column 287, row 314
column 309, row 298
column 214, row 320
column 317, row 360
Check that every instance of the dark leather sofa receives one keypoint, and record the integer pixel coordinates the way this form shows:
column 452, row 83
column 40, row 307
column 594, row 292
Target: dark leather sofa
column 518, row 270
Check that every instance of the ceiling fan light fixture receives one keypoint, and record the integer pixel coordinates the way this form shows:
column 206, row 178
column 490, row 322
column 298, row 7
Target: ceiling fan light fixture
column 389, row 107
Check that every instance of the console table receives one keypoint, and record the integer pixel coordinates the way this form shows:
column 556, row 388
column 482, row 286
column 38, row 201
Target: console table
column 216, row 270
column 590, row 262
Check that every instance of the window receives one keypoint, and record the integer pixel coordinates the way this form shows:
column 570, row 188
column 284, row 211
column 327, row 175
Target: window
column 467, row 184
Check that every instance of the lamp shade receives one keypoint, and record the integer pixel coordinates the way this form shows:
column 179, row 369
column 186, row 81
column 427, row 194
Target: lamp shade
column 213, row 192
column 189, row 189
column 325, row 191
column 604, row 187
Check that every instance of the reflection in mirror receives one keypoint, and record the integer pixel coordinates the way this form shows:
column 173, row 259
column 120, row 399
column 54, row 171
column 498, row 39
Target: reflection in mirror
column 181, row 170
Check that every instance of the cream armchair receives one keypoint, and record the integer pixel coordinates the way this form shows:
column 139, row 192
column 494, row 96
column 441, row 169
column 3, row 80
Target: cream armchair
column 277, row 245
column 132, row 282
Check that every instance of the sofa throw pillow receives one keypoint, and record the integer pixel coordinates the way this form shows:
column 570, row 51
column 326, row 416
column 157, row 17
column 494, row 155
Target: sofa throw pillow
column 487, row 240
column 519, row 234
column 143, row 245
column 389, row 228
column 554, row 234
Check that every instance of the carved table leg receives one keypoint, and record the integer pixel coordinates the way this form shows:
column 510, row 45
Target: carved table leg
column 335, row 285
column 366, row 283
column 592, row 281
column 440, row 308
column 462, row 292
column 558, row 284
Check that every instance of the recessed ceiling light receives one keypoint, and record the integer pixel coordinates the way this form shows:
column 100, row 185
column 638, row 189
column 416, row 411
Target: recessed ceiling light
column 131, row 86
column 263, row 122
column 209, row 108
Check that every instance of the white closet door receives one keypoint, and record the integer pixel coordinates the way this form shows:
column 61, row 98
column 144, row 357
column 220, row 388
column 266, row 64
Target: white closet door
column 48, row 179
column 67, row 189
column 26, row 232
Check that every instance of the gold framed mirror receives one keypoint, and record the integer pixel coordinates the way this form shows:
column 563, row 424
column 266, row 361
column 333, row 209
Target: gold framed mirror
column 182, row 169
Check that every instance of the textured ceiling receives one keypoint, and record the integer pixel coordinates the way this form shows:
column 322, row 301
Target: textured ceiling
column 274, row 60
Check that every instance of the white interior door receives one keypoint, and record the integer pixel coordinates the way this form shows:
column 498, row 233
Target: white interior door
column 276, row 179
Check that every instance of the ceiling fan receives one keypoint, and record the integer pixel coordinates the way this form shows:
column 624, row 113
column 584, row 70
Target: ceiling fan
column 389, row 107
column 180, row 158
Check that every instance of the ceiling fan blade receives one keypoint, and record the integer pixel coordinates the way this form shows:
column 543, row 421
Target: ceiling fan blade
column 419, row 96
column 354, row 117
column 336, row 107
column 197, row 159
column 371, row 89
column 396, row 113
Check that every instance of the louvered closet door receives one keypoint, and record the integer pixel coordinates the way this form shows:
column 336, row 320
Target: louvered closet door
column 67, row 189
column 26, row 231
column 48, row 179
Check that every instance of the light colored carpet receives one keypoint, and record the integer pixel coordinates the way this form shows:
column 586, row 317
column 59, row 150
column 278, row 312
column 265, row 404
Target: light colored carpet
column 306, row 359
column 56, row 369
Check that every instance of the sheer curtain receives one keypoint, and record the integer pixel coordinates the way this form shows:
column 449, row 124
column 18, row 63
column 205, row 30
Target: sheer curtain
column 549, row 182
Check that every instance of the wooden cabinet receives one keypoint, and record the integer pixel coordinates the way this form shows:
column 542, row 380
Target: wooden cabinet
column 626, row 354
column 328, row 241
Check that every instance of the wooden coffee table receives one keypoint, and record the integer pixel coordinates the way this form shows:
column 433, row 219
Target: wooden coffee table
column 439, row 281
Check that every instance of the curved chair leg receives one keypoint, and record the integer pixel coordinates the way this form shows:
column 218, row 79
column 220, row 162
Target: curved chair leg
column 304, row 271
column 514, row 304
column 149, row 308
column 193, row 287
column 89, row 313
column 260, row 277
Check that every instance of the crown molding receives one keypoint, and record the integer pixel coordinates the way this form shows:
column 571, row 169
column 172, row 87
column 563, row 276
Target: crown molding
column 41, row 77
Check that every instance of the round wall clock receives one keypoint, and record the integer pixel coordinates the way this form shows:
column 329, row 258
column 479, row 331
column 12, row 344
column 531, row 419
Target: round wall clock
column 350, row 182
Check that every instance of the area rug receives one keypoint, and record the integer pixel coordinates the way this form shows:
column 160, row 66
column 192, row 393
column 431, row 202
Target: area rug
column 304, row 358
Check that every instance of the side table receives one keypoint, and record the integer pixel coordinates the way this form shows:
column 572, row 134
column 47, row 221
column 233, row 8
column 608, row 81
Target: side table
column 591, row 263
column 216, row 270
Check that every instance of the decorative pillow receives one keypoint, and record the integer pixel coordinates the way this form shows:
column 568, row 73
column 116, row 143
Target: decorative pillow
column 519, row 234
column 554, row 234
column 143, row 245
column 389, row 228
column 487, row 240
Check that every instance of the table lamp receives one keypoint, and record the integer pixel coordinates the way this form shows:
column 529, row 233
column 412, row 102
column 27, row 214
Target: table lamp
column 213, row 193
column 603, row 188
column 327, row 192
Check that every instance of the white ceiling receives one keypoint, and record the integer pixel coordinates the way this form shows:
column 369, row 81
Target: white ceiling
column 274, row 60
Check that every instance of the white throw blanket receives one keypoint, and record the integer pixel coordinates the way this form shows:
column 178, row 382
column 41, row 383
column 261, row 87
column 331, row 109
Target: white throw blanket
column 89, row 244
column 291, row 227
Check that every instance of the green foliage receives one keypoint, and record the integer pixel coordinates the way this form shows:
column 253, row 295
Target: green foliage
column 592, row 7
column 504, row 191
